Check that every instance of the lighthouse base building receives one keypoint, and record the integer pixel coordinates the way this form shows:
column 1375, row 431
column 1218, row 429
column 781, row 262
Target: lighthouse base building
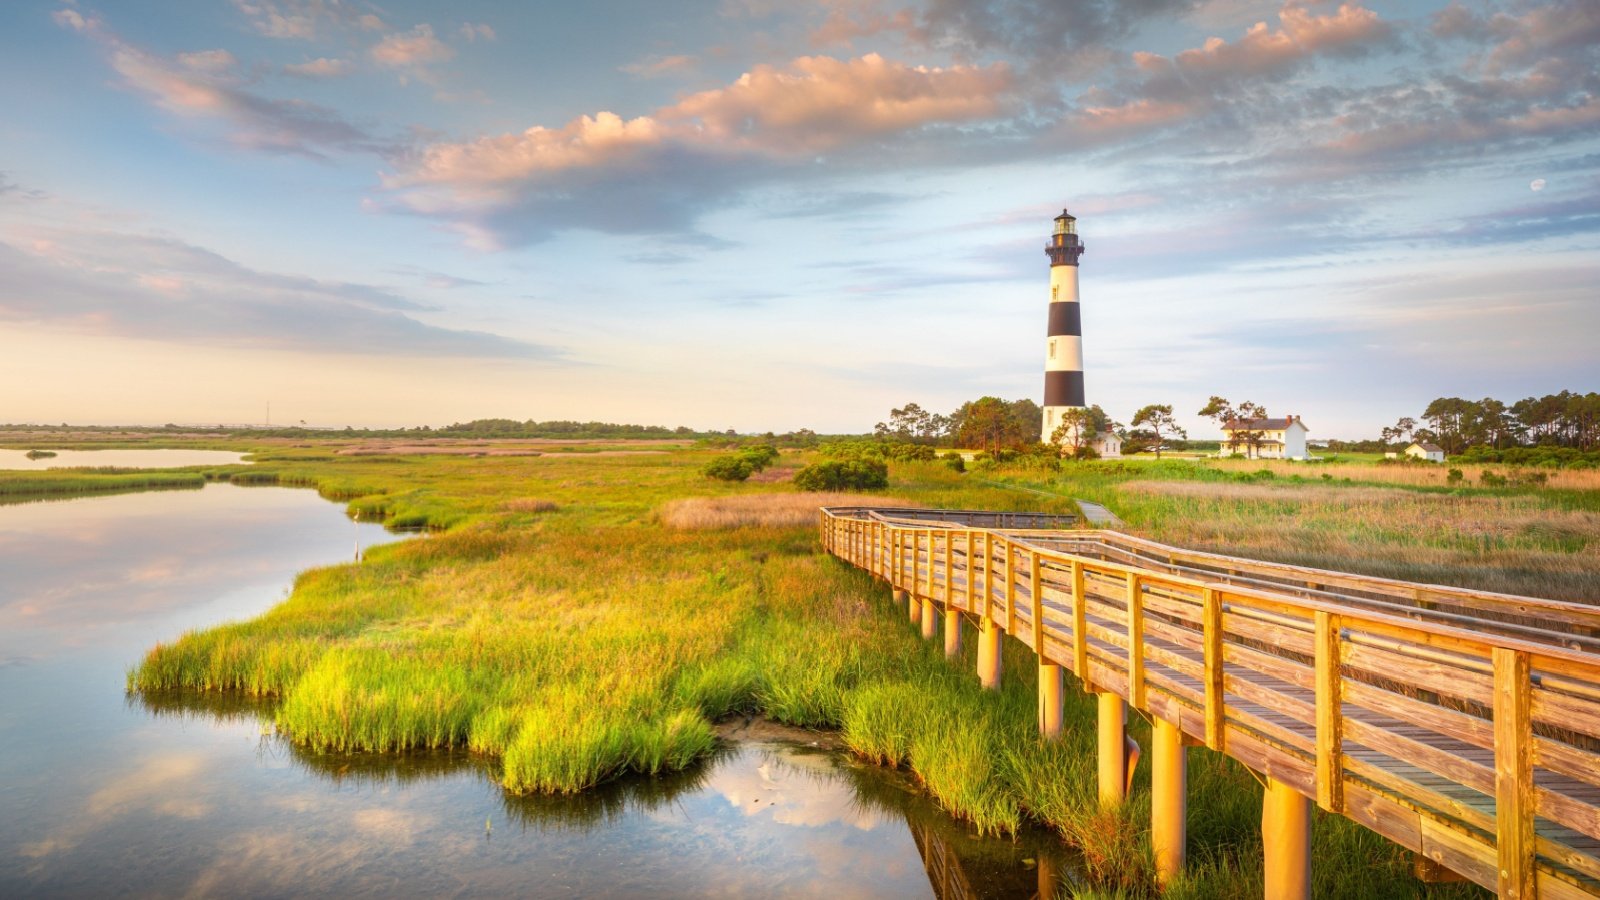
column 1063, row 362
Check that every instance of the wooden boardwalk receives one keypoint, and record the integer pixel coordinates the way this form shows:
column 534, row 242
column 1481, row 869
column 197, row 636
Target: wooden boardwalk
column 1463, row 725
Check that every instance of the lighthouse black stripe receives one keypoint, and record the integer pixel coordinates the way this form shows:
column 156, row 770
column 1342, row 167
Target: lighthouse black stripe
column 1065, row 319
column 1063, row 389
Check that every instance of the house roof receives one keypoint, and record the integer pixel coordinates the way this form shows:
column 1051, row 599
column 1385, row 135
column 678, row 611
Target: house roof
column 1428, row 448
column 1260, row 424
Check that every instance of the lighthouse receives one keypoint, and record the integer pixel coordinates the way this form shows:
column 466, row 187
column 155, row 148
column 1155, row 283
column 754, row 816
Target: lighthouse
column 1063, row 362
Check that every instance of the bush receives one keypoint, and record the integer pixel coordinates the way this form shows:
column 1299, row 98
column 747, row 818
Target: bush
column 954, row 462
column 843, row 475
column 728, row 468
column 1491, row 478
column 1454, row 477
column 760, row 456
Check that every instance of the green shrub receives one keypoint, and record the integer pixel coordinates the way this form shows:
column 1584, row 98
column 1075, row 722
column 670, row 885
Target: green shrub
column 1454, row 477
column 760, row 456
column 728, row 468
column 1491, row 478
column 843, row 475
column 954, row 462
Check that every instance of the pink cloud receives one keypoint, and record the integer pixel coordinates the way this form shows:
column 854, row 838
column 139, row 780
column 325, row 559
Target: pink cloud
column 478, row 32
column 657, row 66
column 321, row 67
column 305, row 20
column 814, row 104
column 417, row 47
column 208, row 60
column 851, row 19
column 818, row 102
column 201, row 86
column 1262, row 50
column 1137, row 115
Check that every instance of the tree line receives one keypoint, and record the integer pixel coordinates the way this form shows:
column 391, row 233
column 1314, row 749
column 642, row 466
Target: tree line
column 993, row 424
column 1565, row 420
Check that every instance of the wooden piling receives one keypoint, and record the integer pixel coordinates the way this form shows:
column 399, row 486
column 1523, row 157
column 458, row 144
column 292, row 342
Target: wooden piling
column 1169, row 783
column 1286, row 841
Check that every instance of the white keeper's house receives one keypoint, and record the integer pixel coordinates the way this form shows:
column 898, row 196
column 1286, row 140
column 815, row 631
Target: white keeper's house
column 1283, row 438
column 1427, row 451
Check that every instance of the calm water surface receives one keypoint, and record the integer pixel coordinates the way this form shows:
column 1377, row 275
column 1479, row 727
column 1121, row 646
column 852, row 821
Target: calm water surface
column 122, row 459
column 109, row 795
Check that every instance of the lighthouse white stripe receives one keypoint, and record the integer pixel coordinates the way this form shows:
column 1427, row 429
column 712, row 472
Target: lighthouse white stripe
column 1068, row 354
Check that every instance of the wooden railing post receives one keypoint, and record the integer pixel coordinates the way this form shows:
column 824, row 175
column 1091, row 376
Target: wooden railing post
column 972, row 570
column 949, row 567
column 1080, row 626
column 1036, row 590
column 1216, row 704
column 988, row 574
column 1330, row 717
column 1136, row 692
column 1513, row 773
column 894, row 556
column 916, row 560
column 1011, row 587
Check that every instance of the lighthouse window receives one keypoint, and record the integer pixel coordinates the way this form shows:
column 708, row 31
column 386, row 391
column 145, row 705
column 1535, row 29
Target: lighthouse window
column 1055, row 292
column 1052, row 349
column 1049, row 418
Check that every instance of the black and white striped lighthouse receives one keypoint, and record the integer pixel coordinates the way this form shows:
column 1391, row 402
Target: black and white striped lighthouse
column 1063, row 362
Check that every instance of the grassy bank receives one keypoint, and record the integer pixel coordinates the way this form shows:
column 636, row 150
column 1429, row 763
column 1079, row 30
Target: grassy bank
column 67, row 482
column 574, row 623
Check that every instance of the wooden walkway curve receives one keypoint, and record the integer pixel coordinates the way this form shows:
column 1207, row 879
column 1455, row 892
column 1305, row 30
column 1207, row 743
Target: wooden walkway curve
column 1460, row 724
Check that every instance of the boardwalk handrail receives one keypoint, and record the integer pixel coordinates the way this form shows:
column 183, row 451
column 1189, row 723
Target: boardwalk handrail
column 1461, row 724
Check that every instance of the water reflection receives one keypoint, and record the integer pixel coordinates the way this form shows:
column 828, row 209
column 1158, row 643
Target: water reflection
column 121, row 459
column 174, row 794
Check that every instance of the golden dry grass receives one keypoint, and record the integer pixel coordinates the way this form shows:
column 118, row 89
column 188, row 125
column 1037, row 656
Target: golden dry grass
column 1504, row 542
column 762, row 510
column 529, row 504
column 1414, row 475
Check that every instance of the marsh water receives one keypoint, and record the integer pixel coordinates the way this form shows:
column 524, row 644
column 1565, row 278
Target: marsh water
column 121, row 459
column 106, row 794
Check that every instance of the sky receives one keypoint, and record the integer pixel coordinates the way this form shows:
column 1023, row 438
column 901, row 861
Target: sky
column 774, row 214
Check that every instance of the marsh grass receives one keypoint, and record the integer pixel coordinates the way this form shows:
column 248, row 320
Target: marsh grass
column 567, row 650
column 762, row 510
column 1409, row 474
column 59, row 482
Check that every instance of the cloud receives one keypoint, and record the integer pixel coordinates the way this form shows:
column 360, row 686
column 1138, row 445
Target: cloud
column 305, row 20
column 322, row 67
column 9, row 188
column 411, row 49
column 211, row 62
column 1216, row 78
column 657, row 66
column 478, row 32
column 712, row 141
column 199, row 86
column 1069, row 38
column 1262, row 51
column 160, row 288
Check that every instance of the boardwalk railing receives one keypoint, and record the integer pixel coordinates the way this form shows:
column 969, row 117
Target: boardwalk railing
column 1463, row 725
